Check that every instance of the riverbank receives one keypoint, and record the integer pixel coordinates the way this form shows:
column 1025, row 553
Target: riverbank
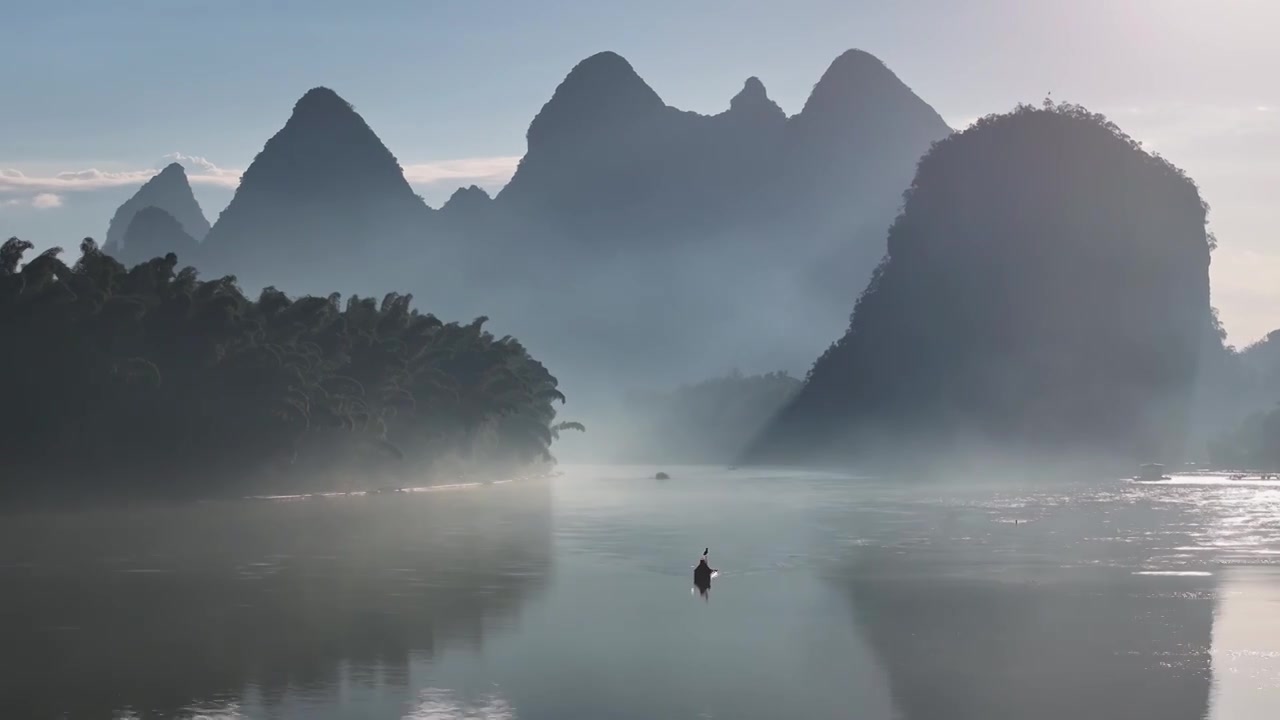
column 60, row 497
column 455, row 484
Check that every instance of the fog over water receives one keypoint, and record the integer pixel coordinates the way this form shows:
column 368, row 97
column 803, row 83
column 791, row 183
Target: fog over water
column 572, row 598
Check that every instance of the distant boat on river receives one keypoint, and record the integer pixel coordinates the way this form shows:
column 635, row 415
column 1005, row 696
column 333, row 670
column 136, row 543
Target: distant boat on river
column 1151, row 471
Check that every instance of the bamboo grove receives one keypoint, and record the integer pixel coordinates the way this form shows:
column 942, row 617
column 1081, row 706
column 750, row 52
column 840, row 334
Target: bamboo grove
column 150, row 379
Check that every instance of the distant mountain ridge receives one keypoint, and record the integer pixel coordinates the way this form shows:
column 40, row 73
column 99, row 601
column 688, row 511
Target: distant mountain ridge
column 634, row 238
column 606, row 148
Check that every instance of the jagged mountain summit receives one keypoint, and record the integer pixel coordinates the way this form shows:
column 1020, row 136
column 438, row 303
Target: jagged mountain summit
column 323, row 192
column 467, row 204
column 606, row 154
column 169, row 191
column 753, row 104
column 1045, row 294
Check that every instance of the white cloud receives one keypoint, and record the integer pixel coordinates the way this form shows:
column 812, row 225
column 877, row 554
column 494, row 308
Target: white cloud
column 201, row 171
column 39, row 201
column 12, row 180
column 190, row 162
column 45, row 201
column 480, row 171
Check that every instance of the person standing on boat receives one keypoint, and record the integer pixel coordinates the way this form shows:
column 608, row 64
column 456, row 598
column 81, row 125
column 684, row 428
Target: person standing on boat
column 703, row 572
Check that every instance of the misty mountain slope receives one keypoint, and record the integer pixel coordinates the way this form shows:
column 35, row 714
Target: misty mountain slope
column 1237, row 418
column 155, row 233
column 1261, row 362
column 699, row 242
column 708, row 422
column 323, row 197
column 635, row 240
column 850, row 153
column 1046, row 288
column 170, row 191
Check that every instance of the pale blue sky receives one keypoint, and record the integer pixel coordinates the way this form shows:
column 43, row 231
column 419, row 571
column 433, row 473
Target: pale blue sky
column 116, row 86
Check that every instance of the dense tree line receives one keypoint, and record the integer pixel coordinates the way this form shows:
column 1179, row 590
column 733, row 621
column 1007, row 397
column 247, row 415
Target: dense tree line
column 150, row 379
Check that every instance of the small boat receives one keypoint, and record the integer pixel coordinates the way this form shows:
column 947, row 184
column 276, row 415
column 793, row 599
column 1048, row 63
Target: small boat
column 1151, row 471
column 661, row 476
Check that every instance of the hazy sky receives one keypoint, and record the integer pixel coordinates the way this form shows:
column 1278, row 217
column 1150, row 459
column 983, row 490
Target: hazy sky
column 115, row 87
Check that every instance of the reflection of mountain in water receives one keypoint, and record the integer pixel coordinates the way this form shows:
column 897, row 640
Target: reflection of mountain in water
column 1048, row 632
column 972, row 651
column 158, row 611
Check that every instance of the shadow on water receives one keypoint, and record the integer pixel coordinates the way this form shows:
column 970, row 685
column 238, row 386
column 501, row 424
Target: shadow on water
column 1033, row 621
column 157, row 613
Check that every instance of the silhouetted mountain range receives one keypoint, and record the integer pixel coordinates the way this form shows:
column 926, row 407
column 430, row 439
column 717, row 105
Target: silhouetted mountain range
column 1045, row 286
column 634, row 238
column 609, row 163
column 168, row 191
column 701, row 242
column 1046, row 289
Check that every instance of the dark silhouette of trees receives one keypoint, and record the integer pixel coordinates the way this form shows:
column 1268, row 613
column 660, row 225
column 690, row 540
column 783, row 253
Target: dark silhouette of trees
column 148, row 379
column 1045, row 291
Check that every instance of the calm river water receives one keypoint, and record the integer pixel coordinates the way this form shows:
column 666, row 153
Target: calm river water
column 571, row 599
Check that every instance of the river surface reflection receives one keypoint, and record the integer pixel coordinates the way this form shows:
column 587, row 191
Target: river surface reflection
column 837, row 597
